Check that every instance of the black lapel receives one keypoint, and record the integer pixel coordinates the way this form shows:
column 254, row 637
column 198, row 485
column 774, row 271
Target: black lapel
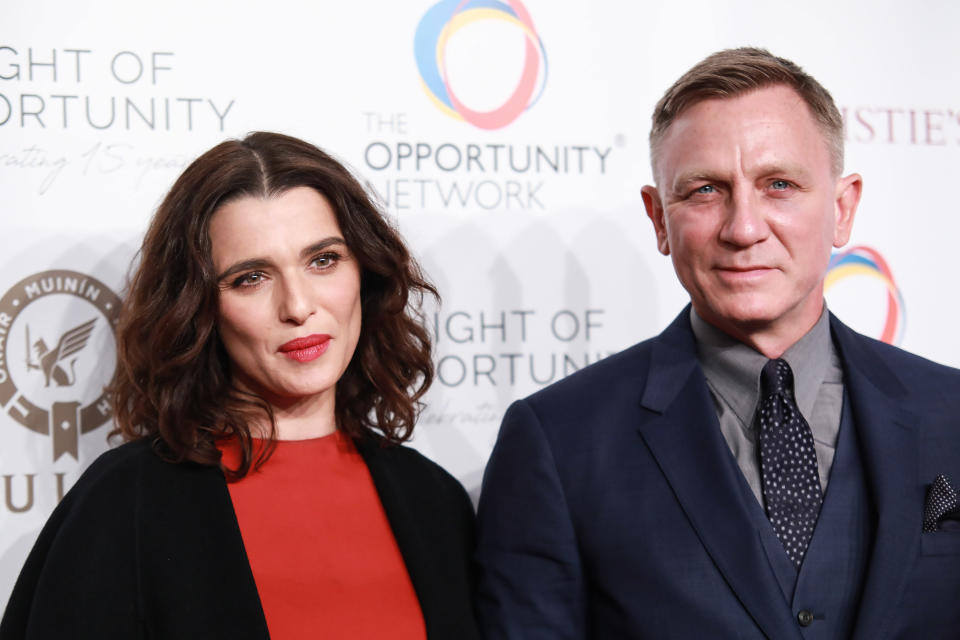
column 405, row 491
column 684, row 436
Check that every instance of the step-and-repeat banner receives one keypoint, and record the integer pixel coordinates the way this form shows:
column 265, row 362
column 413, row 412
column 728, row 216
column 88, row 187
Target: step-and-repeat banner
column 506, row 139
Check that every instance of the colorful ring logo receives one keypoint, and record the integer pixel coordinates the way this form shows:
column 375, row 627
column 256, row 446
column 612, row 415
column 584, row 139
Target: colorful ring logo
column 447, row 17
column 864, row 261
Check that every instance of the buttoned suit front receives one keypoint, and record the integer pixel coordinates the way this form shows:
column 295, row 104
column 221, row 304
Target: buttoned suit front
column 612, row 506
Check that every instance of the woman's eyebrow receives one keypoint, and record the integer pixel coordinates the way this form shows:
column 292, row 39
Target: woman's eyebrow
column 245, row 265
column 263, row 263
column 321, row 245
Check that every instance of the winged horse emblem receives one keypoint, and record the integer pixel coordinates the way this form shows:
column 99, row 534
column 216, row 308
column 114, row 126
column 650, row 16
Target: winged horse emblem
column 56, row 364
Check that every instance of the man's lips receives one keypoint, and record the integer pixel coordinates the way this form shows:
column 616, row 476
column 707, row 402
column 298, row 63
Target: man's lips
column 748, row 269
column 306, row 348
column 743, row 274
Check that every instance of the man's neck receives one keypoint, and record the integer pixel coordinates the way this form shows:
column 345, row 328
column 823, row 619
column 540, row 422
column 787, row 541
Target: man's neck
column 770, row 339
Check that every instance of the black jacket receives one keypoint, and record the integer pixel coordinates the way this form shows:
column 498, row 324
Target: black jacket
column 142, row 548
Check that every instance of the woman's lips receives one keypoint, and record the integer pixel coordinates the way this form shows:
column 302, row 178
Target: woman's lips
column 307, row 348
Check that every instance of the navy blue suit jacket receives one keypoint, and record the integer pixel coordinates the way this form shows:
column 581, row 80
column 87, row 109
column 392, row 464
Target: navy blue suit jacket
column 612, row 506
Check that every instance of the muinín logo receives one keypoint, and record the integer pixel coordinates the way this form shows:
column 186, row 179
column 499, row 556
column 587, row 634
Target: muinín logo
column 57, row 354
column 433, row 33
column 864, row 261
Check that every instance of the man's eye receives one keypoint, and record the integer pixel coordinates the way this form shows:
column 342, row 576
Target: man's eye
column 780, row 185
column 707, row 188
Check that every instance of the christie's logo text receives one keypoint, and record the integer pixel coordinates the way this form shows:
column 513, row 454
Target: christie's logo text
column 898, row 125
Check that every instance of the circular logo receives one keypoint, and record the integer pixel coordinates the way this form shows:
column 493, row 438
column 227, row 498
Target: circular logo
column 449, row 16
column 864, row 261
column 57, row 353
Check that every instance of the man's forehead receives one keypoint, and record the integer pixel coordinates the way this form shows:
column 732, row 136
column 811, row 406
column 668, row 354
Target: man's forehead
column 774, row 99
column 766, row 127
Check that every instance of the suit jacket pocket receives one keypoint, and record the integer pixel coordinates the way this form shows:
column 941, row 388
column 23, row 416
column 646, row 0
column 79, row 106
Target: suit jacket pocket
column 940, row 543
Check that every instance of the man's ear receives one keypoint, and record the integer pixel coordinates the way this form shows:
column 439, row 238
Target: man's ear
column 654, row 206
column 845, row 207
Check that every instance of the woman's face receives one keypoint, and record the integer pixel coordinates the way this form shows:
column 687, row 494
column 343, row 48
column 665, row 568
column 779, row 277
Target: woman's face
column 289, row 313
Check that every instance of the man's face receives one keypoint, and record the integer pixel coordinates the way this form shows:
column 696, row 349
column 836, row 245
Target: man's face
column 748, row 207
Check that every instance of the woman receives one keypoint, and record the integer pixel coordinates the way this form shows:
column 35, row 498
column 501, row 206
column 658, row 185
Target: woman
column 270, row 361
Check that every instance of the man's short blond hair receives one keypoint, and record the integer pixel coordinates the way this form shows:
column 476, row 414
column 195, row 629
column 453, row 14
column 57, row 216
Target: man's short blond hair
column 733, row 72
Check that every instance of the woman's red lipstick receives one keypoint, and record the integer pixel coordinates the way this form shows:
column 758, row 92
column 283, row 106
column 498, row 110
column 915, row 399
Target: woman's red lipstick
column 307, row 348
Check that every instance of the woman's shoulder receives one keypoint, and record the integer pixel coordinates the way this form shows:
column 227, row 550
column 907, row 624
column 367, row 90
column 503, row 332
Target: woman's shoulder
column 115, row 468
column 403, row 458
column 119, row 460
column 404, row 466
column 124, row 490
column 128, row 461
column 131, row 473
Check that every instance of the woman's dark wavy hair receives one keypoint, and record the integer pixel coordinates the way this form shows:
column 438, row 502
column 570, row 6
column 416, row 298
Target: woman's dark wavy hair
column 173, row 376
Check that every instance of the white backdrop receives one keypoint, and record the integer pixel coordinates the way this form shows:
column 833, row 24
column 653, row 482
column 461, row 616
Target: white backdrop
column 534, row 230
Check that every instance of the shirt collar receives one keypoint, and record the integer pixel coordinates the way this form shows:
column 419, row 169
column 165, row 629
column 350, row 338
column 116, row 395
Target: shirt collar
column 733, row 369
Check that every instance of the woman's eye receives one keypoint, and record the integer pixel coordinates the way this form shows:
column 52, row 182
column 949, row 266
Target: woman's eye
column 325, row 260
column 251, row 279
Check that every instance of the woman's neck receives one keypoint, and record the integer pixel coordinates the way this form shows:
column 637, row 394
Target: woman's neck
column 303, row 418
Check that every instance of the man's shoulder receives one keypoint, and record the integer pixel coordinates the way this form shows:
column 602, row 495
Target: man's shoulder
column 600, row 387
column 910, row 369
column 630, row 363
column 907, row 360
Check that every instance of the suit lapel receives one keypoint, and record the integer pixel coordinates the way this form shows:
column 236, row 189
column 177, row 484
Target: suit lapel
column 890, row 451
column 684, row 437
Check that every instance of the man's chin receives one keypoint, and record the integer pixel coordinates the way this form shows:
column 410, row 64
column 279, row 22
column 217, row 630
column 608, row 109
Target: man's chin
column 746, row 317
column 746, row 314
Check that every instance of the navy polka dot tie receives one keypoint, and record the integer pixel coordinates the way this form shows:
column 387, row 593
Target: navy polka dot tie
column 788, row 462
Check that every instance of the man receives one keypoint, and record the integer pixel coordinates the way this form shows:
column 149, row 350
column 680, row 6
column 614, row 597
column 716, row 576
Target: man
column 758, row 470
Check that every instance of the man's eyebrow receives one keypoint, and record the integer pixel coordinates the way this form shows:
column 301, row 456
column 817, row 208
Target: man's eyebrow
column 321, row 245
column 762, row 171
column 684, row 179
column 787, row 168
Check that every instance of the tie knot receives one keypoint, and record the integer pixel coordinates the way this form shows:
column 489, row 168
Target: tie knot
column 776, row 377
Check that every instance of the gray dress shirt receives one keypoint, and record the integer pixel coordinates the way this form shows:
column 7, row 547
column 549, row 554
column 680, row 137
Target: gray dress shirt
column 733, row 370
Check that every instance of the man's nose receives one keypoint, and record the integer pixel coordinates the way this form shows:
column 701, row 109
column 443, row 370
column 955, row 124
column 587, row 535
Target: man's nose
column 745, row 222
column 295, row 299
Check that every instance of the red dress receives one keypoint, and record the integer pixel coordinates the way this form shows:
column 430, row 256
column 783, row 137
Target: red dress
column 323, row 555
